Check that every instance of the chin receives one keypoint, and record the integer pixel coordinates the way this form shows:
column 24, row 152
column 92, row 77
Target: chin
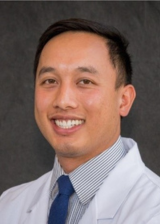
column 68, row 151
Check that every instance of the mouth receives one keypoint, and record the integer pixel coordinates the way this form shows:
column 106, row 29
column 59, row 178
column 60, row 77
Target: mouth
column 67, row 124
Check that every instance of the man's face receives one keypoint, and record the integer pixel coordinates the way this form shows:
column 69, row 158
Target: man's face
column 76, row 103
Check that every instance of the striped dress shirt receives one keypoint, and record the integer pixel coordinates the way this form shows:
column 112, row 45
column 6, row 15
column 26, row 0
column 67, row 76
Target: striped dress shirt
column 87, row 179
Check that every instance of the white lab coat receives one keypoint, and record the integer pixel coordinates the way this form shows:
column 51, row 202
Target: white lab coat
column 129, row 195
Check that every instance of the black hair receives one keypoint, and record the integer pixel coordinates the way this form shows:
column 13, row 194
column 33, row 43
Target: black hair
column 116, row 43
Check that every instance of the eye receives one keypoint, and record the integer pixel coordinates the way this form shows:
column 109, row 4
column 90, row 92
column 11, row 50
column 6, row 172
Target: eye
column 49, row 81
column 85, row 82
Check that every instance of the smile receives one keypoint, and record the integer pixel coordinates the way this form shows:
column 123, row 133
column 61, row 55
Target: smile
column 66, row 124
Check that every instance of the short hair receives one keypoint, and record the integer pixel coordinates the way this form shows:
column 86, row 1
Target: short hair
column 116, row 43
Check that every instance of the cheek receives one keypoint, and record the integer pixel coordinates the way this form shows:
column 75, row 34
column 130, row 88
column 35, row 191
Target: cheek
column 101, row 105
column 42, row 101
column 93, row 99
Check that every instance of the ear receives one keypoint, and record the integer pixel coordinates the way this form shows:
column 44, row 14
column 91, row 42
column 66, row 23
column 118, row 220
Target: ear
column 128, row 95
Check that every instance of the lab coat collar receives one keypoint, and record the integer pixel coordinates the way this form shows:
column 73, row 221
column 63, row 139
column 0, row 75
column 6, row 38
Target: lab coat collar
column 116, row 187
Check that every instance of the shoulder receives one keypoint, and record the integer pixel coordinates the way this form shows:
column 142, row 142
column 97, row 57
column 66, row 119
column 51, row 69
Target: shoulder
column 152, row 177
column 23, row 190
column 149, row 186
column 148, row 179
column 15, row 203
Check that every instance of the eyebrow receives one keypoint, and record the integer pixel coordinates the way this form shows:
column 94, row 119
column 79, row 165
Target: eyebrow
column 45, row 70
column 89, row 69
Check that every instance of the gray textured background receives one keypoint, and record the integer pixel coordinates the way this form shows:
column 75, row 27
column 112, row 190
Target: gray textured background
column 24, row 153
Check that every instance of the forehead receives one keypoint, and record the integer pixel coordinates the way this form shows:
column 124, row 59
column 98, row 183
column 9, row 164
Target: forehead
column 76, row 42
column 72, row 49
column 72, row 37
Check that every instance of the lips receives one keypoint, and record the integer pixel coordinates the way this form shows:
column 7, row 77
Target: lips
column 67, row 124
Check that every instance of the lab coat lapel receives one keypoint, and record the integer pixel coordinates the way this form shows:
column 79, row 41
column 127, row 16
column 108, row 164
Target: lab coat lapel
column 37, row 211
column 115, row 189
column 90, row 215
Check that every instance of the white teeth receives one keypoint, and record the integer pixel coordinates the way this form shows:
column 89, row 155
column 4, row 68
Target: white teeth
column 68, row 124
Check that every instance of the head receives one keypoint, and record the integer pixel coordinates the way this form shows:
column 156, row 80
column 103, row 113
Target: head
column 82, row 88
column 115, row 42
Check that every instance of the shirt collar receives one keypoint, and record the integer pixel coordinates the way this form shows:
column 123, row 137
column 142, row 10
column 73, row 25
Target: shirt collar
column 88, row 177
column 57, row 172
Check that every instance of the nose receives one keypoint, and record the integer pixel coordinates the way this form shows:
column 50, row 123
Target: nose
column 65, row 97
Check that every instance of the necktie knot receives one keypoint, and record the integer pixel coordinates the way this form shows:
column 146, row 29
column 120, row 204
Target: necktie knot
column 65, row 186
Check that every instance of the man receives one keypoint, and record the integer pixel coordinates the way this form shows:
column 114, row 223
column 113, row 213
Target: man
column 82, row 90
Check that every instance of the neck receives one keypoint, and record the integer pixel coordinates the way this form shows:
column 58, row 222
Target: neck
column 70, row 164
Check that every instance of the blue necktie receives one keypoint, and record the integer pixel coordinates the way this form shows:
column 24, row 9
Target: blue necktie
column 59, row 208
